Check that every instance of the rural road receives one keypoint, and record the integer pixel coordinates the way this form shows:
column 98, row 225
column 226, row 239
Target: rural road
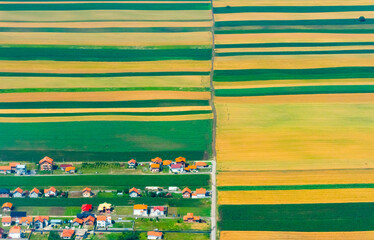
column 213, row 209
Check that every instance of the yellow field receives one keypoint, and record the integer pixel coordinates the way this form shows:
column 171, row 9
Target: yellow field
column 85, row 15
column 107, row 39
column 307, row 177
column 65, row 82
column 257, row 235
column 104, row 67
column 294, row 61
column 269, row 84
column 299, row 49
column 101, row 96
column 296, row 196
column 233, row 3
column 106, row 118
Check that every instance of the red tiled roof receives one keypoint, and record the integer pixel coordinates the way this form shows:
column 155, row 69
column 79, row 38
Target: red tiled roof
column 65, row 165
column 180, row 159
column 186, row 190
column 14, row 164
column 86, row 189
column 5, row 168
column 7, row 205
column 6, row 220
column 50, row 189
column 155, row 165
column 177, row 165
column 18, row 190
column 46, row 159
column 78, row 220
column 35, row 190
column 68, row 169
column 157, row 160
column 201, row 164
column 15, row 229
column 132, row 161
column 26, row 220
column 159, row 208
column 200, row 191
column 134, row 190
column 41, row 218
column 153, row 233
column 89, row 218
column 166, row 162
column 101, row 218
column 140, row 206
column 86, row 207
column 68, row 233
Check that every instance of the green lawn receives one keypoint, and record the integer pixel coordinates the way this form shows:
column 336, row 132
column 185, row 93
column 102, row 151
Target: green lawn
column 168, row 224
column 186, row 236
column 198, row 211
column 39, row 236
column 123, row 210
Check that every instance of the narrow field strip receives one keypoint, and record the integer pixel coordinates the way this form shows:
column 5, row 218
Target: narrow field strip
column 109, row 89
column 294, row 187
column 104, row 67
column 337, row 177
column 108, row 30
column 256, row 49
column 297, row 196
column 270, row 235
column 294, row 53
column 104, row 75
column 224, row 3
column 99, row 24
column 222, row 47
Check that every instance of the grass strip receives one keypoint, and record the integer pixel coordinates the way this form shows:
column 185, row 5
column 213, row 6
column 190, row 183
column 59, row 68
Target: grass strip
column 295, row 187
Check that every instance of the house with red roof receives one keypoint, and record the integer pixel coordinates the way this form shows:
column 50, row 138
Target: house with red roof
column 18, row 193
column 86, row 207
column 13, row 166
column 5, row 169
column 67, row 233
column 186, row 193
column 90, row 220
column 46, row 164
column 64, row 166
column 158, row 211
column 132, row 163
column 26, row 221
column 177, row 168
column 191, row 218
column 86, row 192
column 134, row 192
column 77, row 222
column 6, row 221
column 7, row 206
column 154, row 235
column 141, row 210
column 15, row 232
column 34, row 193
column 41, row 222
column 50, row 192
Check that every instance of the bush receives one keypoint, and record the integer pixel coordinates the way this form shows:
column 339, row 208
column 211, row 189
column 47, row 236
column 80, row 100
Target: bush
column 362, row 19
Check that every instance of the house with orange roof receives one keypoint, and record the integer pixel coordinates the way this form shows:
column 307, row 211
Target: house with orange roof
column 166, row 162
column 154, row 235
column 132, row 163
column 86, row 192
column 186, row 193
column 34, row 193
column 41, row 222
column 157, row 160
column 6, row 221
column 67, row 233
column 77, row 222
column 134, row 192
column 15, row 232
column 13, row 165
column 26, row 221
column 46, row 164
column 191, row 168
column 199, row 193
column 155, row 167
column 7, row 206
column 181, row 160
column 201, row 165
column 70, row 170
column 102, row 221
column 141, row 210
column 158, row 211
column 18, row 193
column 90, row 220
column 50, row 192
column 191, row 218
column 5, row 169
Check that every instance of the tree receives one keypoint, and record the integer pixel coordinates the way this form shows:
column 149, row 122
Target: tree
column 362, row 19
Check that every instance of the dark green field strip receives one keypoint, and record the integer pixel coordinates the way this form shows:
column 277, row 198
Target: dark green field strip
column 101, row 55
column 355, row 51
column 289, row 74
column 119, row 74
column 294, row 9
column 79, row 156
column 269, row 30
column 103, row 6
column 115, row 181
column 85, row 140
column 295, row 187
column 23, row 90
column 104, row 104
column 107, row 30
column 106, row 113
column 298, row 217
column 124, row 201
column 106, row 20
column 331, row 89
column 46, row 1
column 290, row 44
column 337, row 22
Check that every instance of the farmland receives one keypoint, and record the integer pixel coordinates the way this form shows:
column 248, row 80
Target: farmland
column 294, row 97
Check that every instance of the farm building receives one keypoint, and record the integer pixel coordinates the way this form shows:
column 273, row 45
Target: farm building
column 6, row 221
column 134, row 192
column 67, row 233
column 166, row 162
column 35, row 193
column 15, row 232
column 191, row 218
column 201, row 164
column 13, row 166
column 154, row 235
column 46, row 164
column 86, row 192
column 181, row 160
column 140, row 210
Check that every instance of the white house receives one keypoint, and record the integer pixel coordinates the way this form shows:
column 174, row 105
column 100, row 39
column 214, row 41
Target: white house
column 17, row 193
column 140, row 210
column 102, row 221
column 41, row 221
column 50, row 192
column 21, row 169
column 199, row 193
column 6, row 221
column 158, row 211
column 154, row 235
column 134, row 192
column 15, row 232
column 34, row 193
column 176, row 168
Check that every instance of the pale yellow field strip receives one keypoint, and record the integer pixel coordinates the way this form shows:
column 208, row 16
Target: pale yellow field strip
column 289, row 16
column 104, row 67
column 93, row 110
column 315, row 98
column 97, row 15
column 296, row 196
column 113, row 82
column 294, row 61
column 332, row 83
column 104, row 24
column 74, row 2
column 296, row 49
column 290, row 37
column 101, row 96
column 263, row 178
column 268, row 235
column 107, row 39
column 234, row 3
column 248, row 84
column 109, row 118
